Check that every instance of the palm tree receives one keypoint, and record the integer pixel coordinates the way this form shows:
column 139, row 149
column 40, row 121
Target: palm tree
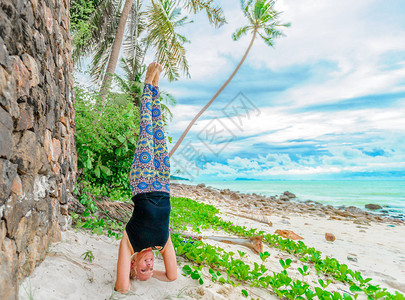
column 108, row 28
column 263, row 21
column 115, row 49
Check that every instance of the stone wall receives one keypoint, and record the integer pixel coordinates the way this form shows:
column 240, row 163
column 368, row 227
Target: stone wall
column 37, row 147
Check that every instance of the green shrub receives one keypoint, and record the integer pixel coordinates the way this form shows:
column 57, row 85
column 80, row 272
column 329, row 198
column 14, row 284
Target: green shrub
column 106, row 138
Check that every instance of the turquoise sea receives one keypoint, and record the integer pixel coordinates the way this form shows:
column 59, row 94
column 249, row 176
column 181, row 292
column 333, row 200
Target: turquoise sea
column 337, row 193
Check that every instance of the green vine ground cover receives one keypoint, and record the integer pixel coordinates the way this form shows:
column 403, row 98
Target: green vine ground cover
column 225, row 267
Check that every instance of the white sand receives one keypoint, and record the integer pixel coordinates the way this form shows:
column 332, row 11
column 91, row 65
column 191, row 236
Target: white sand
column 64, row 274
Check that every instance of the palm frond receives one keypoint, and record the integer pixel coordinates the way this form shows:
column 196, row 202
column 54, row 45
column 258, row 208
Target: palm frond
column 167, row 100
column 99, row 62
column 246, row 9
column 268, row 40
column 102, row 54
column 162, row 18
column 241, row 32
column 103, row 48
column 272, row 32
column 132, row 88
column 133, row 46
column 259, row 9
column 122, row 83
column 214, row 13
column 99, row 23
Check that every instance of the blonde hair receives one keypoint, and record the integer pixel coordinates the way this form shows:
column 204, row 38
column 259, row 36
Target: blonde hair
column 132, row 273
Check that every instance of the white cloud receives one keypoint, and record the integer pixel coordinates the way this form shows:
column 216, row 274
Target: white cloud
column 344, row 160
column 301, row 126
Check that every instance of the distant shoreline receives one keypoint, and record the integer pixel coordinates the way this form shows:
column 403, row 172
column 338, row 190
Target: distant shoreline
column 339, row 194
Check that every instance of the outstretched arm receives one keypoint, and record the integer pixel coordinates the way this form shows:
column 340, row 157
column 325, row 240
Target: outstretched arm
column 169, row 258
column 122, row 283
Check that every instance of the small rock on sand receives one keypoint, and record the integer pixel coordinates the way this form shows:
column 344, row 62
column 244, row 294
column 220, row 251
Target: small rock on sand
column 361, row 221
column 373, row 206
column 289, row 195
column 288, row 234
column 330, row 237
column 352, row 258
column 353, row 209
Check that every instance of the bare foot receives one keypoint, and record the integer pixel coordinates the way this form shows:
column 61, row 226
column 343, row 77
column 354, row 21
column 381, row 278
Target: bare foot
column 150, row 73
column 157, row 74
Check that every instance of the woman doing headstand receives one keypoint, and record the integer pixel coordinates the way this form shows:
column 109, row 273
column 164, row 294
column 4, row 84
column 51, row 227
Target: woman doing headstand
column 148, row 228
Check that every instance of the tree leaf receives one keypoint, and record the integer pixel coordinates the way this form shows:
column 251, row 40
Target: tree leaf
column 97, row 171
column 105, row 170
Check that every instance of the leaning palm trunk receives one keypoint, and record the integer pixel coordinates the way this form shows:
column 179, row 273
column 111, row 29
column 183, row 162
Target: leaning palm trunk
column 115, row 51
column 255, row 243
column 214, row 97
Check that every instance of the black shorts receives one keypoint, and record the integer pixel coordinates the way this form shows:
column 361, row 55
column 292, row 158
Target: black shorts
column 149, row 224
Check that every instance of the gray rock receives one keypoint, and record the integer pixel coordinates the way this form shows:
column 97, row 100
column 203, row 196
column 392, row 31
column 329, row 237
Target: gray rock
column 21, row 75
column 32, row 67
column 353, row 209
column 4, row 57
column 373, row 206
column 8, row 93
column 8, row 172
column 39, row 42
column 26, row 154
column 361, row 221
column 289, row 195
column 284, row 198
column 352, row 258
column 6, row 128
column 26, row 120
column 235, row 196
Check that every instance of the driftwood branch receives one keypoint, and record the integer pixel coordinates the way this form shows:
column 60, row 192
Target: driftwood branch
column 255, row 243
column 119, row 211
column 262, row 220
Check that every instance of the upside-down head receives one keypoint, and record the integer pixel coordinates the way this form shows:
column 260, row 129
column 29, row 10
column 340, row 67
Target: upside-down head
column 142, row 265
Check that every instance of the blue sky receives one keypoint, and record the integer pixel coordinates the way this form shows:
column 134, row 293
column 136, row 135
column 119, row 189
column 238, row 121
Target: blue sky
column 327, row 102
